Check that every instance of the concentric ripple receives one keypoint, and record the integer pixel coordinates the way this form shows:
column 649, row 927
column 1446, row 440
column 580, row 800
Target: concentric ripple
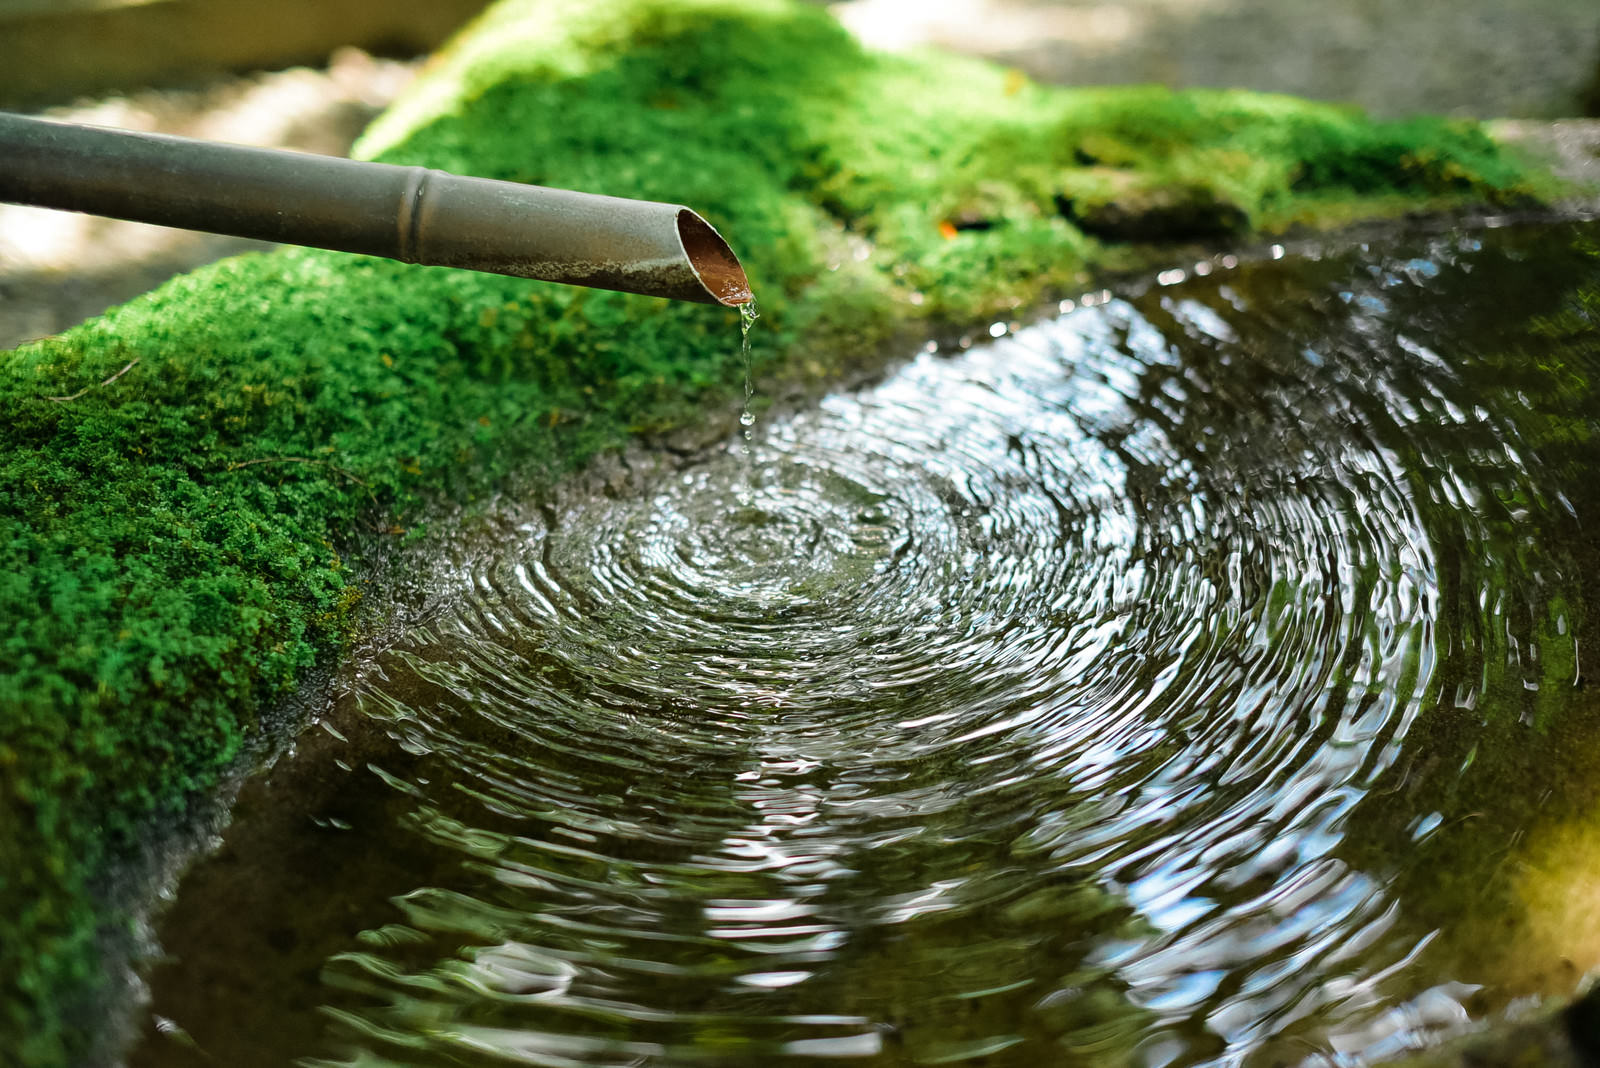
column 1053, row 702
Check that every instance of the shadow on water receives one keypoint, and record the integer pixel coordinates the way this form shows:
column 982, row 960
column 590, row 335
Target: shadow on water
column 1194, row 678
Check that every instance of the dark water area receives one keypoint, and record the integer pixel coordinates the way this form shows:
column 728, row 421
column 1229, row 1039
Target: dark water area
column 1199, row 677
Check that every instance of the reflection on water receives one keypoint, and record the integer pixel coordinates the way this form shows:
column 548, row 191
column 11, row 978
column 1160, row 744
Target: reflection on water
column 1195, row 678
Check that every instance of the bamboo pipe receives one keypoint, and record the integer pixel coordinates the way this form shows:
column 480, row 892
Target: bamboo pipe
column 411, row 214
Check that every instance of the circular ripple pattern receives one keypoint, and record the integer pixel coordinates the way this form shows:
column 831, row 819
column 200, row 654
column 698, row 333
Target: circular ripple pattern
column 1015, row 709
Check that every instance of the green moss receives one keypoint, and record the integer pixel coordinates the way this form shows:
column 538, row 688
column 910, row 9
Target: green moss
column 181, row 475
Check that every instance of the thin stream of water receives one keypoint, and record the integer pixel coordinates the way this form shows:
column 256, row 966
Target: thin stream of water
column 747, row 318
column 1194, row 679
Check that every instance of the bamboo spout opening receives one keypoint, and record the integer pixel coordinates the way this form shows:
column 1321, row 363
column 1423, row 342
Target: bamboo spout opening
column 712, row 260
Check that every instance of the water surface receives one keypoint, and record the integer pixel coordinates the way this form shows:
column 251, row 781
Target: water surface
column 1194, row 678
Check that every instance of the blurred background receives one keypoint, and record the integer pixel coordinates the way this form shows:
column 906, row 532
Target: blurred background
column 309, row 74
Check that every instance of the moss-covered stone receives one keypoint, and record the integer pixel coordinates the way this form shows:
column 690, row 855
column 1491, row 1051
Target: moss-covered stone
column 183, row 477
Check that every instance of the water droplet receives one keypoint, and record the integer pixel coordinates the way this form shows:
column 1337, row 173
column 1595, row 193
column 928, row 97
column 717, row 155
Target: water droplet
column 747, row 317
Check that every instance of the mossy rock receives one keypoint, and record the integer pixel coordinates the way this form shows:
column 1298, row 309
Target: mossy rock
column 1118, row 206
column 188, row 478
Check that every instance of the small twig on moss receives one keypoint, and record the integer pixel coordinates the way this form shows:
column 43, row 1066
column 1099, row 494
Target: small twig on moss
column 335, row 468
column 85, row 389
column 296, row 460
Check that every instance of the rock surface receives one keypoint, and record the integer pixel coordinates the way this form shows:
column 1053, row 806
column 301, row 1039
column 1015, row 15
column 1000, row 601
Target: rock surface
column 1571, row 147
column 1480, row 58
